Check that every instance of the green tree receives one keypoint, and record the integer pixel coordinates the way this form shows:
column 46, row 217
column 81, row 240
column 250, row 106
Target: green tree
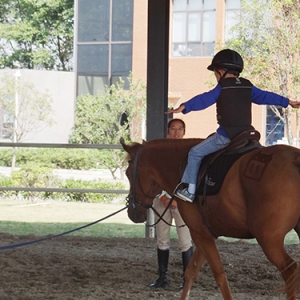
column 36, row 34
column 106, row 117
column 30, row 113
column 4, row 10
column 268, row 37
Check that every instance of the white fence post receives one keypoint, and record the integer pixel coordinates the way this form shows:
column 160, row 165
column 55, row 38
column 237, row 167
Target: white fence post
column 150, row 230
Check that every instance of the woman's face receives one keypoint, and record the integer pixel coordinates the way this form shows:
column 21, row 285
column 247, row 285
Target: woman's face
column 176, row 130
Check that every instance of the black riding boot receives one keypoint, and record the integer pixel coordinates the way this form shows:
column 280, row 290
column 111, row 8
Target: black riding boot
column 163, row 260
column 186, row 257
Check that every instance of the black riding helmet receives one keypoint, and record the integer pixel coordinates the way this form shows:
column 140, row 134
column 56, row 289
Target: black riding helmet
column 227, row 59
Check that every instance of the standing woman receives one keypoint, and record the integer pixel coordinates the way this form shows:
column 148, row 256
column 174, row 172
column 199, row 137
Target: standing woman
column 176, row 130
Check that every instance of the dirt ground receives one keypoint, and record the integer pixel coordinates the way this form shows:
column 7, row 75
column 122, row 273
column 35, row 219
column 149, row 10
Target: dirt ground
column 69, row 268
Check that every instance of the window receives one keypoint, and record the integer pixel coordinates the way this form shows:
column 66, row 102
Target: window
column 6, row 125
column 274, row 127
column 194, row 27
column 104, row 43
column 232, row 15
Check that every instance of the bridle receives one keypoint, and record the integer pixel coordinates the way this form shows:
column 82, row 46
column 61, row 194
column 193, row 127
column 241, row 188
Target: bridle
column 132, row 200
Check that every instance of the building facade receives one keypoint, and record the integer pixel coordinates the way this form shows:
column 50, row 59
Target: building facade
column 111, row 41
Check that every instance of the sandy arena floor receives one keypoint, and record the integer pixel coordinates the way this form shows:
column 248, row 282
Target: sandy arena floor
column 69, row 268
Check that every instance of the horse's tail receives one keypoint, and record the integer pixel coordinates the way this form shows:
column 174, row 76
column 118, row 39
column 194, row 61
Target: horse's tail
column 293, row 284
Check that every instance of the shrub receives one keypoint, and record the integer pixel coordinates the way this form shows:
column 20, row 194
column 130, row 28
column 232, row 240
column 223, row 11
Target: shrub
column 6, row 181
column 93, row 197
column 37, row 175
column 77, row 159
column 33, row 175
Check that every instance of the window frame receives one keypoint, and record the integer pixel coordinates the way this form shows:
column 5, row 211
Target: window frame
column 183, row 48
column 92, row 76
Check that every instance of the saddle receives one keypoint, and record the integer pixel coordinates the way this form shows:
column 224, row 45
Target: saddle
column 215, row 166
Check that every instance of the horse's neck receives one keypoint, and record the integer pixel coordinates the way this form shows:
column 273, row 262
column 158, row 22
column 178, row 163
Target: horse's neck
column 168, row 160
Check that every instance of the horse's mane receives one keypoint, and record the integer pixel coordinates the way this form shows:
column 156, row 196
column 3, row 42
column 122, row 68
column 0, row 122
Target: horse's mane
column 162, row 144
column 172, row 142
column 166, row 142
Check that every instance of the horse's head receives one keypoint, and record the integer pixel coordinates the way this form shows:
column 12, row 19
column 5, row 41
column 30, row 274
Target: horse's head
column 142, row 188
column 152, row 167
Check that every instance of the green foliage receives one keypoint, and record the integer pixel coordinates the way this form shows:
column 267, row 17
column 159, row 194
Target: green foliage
column 5, row 157
column 106, row 117
column 92, row 197
column 37, row 175
column 268, row 38
column 30, row 175
column 6, row 181
column 33, row 175
column 36, row 34
column 84, row 159
column 77, row 159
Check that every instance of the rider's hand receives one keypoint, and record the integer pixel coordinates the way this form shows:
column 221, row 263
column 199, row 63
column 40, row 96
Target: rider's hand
column 173, row 204
column 176, row 110
column 165, row 201
column 294, row 104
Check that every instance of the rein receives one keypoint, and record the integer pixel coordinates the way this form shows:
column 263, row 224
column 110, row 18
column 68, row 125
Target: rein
column 50, row 237
column 160, row 217
column 135, row 178
column 132, row 195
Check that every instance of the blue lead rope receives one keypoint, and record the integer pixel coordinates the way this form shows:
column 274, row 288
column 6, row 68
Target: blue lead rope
column 60, row 234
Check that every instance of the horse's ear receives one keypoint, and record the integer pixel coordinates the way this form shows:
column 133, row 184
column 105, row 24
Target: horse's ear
column 144, row 142
column 125, row 147
column 130, row 148
column 122, row 142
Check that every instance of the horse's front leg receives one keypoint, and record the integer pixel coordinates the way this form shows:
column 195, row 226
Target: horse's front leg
column 191, row 273
column 207, row 246
column 214, row 260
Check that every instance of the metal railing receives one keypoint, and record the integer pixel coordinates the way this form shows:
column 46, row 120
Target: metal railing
column 63, row 190
column 149, row 231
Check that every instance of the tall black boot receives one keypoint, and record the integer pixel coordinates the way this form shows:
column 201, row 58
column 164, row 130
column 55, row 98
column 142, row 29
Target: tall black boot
column 186, row 257
column 163, row 260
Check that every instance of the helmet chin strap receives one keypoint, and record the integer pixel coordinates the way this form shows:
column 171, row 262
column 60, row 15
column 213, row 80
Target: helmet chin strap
column 222, row 76
column 225, row 73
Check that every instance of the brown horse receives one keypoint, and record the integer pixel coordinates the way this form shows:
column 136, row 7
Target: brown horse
column 259, row 198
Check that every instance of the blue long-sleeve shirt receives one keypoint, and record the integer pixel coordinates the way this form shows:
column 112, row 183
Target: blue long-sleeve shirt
column 209, row 98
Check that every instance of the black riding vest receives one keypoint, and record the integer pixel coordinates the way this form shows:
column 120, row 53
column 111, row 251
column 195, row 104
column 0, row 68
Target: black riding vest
column 234, row 105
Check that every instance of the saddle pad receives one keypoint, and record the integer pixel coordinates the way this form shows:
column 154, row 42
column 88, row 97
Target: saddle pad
column 216, row 172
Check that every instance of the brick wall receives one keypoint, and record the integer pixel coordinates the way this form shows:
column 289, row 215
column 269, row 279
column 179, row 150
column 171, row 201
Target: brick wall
column 188, row 76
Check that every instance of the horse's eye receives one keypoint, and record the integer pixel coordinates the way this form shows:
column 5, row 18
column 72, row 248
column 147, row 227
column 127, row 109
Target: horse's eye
column 129, row 161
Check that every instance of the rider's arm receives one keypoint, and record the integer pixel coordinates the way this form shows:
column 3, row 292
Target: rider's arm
column 198, row 102
column 264, row 97
column 202, row 101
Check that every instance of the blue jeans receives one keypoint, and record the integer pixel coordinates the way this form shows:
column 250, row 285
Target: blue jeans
column 212, row 144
